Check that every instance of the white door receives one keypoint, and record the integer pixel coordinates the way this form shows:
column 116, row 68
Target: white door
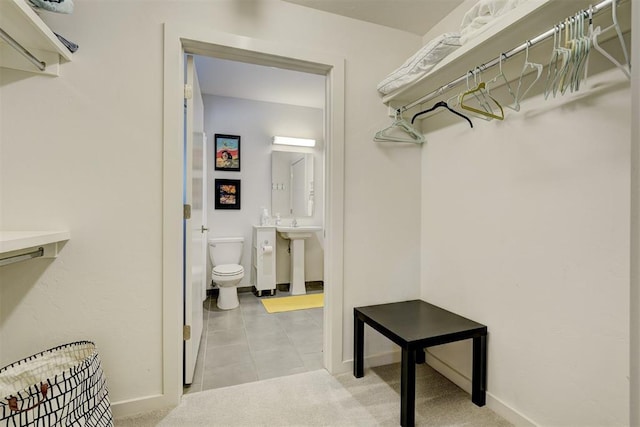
column 194, row 225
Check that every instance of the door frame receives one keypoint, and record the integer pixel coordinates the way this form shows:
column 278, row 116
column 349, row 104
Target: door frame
column 180, row 39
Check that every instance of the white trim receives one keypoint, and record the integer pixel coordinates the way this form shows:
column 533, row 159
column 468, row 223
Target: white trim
column 334, row 217
column 202, row 41
column 380, row 359
column 172, row 234
column 493, row 403
column 634, row 285
column 140, row 405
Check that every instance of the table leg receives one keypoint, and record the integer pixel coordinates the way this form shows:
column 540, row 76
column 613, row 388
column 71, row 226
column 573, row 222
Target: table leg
column 479, row 374
column 408, row 388
column 358, row 346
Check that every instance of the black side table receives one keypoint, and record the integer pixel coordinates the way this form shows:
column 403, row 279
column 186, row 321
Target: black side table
column 415, row 325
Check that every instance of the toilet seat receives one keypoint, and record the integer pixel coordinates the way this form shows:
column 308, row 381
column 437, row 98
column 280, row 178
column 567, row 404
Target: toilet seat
column 226, row 270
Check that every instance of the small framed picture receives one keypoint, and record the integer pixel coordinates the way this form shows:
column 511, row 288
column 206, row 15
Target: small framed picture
column 227, row 149
column 227, row 193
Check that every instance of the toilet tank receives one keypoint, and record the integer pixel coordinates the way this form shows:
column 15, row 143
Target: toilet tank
column 225, row 250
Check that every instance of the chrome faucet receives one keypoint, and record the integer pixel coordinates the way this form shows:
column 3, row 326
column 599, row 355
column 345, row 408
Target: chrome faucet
column 294, row 223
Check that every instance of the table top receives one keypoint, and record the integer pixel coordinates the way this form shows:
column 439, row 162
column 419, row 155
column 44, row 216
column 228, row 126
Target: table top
column 418, row 322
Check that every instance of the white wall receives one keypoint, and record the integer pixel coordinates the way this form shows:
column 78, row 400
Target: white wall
column 256, row 122
column 525, row 228
column 84, row 152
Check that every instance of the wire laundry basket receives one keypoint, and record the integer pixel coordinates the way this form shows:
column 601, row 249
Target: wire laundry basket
column 62, row 386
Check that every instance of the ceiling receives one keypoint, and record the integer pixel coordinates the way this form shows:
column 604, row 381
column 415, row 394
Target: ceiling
column 256, row 82
column 413, row 16
column 259, row 83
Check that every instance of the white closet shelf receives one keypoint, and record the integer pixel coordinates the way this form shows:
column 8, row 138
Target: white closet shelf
column 16, row 242
column 510, row 30
column 23, row 24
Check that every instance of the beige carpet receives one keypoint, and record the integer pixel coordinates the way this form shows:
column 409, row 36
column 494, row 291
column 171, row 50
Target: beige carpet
column 319, row 399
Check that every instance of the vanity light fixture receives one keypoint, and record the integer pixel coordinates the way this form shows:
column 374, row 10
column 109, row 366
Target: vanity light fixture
column 300, row 142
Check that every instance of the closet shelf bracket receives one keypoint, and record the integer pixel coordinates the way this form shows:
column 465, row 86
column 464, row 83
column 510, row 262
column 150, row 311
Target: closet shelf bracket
column 40, row 65
column 22, row 257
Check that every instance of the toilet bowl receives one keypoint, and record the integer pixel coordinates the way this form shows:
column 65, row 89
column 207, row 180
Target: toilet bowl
column 227, row 277
column 225, row 254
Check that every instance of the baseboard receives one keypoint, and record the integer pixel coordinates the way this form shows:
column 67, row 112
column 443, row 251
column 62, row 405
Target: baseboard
column 127, row 408
column 315, row 285
column 493, row 403
column 372, row 361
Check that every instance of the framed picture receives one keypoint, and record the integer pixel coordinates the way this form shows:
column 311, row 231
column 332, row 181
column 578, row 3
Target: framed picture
column 227, row 152
column 227, row 193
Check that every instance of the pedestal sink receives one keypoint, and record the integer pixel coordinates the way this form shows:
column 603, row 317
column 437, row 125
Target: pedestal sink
column 297, row 235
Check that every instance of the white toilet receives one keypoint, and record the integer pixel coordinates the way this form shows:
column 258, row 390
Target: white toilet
column 225, row 254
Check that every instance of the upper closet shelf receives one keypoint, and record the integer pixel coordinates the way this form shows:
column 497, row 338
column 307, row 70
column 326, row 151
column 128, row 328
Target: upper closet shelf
column 22, row 23
column 525, row 22
column 20, row 245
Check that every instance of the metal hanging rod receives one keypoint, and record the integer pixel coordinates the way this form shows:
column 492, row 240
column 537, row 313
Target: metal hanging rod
column 503, row 57
column 24, row 52
column 11, row 259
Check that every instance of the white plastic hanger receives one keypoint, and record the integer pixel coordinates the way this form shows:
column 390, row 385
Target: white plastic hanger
column 557, row 64
column 584, row 48
column 626, row 67
column 501, row 80
column 408, row 132
column 520, row 95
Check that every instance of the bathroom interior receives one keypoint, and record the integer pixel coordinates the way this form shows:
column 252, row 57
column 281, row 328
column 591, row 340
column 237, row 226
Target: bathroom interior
column 275, row 227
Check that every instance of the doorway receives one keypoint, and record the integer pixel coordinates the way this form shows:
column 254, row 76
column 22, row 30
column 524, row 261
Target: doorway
column 183, row 39
column 255, row 103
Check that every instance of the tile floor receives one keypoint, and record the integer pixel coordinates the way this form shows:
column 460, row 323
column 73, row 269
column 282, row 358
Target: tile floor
column 248, row 344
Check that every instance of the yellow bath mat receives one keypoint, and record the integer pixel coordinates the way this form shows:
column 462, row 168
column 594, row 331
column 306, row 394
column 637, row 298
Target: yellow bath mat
column 298, row 302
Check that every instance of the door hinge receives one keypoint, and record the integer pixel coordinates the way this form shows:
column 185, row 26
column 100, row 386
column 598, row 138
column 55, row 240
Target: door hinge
column 186, row 332
column 188, row 92
column 186, row 212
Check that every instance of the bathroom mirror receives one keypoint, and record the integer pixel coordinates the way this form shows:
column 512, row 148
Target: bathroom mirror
column 292, row 194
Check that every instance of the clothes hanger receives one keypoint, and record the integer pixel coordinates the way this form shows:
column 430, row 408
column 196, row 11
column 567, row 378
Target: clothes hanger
column 571, row 44
column 442, row 104
column 589, row 38
column 478, row 96
column 481, row 89
column 559, row 58
column 525, row 70
column 501, row 80
column 626, row 67
column 579, row 51
column 585, row 48
column 412, row 135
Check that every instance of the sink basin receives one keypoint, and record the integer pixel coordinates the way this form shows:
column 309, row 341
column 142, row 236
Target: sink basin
column 298, row 232
column 297, row 235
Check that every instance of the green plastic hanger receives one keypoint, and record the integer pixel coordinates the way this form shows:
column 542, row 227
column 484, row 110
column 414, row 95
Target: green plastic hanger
column 410, row 134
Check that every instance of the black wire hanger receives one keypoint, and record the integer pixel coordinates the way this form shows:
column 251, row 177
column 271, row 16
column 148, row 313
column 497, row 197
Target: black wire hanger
column 444, row 105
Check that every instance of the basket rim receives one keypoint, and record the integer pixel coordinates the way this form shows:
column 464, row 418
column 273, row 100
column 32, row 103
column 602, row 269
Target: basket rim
column 51, row 350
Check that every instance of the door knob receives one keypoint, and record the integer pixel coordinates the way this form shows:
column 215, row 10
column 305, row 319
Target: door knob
column 203, row 229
